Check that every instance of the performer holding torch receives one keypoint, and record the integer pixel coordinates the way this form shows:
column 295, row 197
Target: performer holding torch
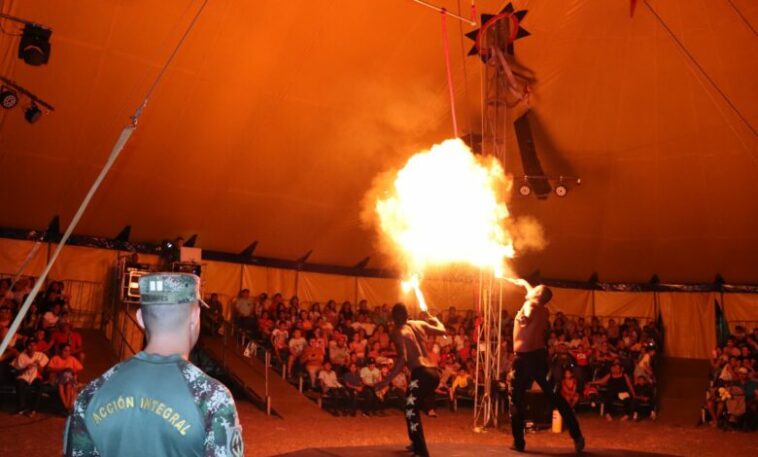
column 531, row 364
column 410, row 337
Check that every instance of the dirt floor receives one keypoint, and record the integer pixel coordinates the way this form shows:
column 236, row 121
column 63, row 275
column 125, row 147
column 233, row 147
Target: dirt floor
column 266, row 436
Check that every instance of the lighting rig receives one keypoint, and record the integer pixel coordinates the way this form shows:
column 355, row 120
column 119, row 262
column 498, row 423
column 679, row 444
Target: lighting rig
column 10, row 93
column 560, row 184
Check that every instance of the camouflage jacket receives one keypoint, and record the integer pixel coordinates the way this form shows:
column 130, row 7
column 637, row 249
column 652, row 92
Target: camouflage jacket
column 157, row 406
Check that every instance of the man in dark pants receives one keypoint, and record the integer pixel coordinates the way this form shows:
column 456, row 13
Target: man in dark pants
column 531, row 364
column 410, row 341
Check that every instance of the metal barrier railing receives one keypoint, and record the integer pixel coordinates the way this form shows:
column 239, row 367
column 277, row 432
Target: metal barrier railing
column 236, row 340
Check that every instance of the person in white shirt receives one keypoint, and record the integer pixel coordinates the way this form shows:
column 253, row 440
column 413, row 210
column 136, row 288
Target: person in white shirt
column 297, row 344
column 371, row 376
column 29, row 380
column 50, row 318
column 329, row 384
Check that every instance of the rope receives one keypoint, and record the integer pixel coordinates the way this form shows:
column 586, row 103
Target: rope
column 135, row 117
column 449, row 71
column 744, row 19
column 464, row 59
column 702, row 70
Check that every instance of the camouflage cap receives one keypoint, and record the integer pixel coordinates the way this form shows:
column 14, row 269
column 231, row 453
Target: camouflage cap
column 170, row 289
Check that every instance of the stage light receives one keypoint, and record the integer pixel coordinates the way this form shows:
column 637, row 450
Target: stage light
column 525, row 190
column 561, row 190
column 34, row 47
column 8, row 97
column 32, row 113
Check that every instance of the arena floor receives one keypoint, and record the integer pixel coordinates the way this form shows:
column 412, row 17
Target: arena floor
column 450, row 435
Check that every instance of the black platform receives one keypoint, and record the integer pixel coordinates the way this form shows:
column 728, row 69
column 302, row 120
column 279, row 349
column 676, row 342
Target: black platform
column 461, row 450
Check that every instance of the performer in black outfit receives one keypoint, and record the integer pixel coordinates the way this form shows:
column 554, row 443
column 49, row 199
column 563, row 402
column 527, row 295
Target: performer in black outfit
column 410, row 341
column 531, row 364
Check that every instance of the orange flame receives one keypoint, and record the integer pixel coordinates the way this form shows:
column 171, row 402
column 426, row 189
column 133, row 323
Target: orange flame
column 446, row 206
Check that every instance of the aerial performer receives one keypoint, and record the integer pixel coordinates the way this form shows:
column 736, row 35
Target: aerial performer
column 530, row 363
column 410, row 338
column 157, row 403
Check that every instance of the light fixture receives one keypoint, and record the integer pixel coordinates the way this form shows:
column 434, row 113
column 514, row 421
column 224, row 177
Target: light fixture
column 11, row 93
column 34, row 47
column 561, row 190
column 32, row 113
column 8, row 97
column 525, row 189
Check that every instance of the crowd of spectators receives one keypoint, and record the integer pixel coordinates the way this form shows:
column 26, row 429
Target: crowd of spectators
column 46, row 353
column 609, row 364
column 343, row 351
column 732, row 398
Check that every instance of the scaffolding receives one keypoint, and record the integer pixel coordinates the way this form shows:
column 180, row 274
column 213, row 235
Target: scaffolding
column 488, row 398
column 500, row 91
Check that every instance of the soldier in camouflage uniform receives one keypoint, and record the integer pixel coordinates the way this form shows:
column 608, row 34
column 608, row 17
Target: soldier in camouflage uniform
column 157, row 403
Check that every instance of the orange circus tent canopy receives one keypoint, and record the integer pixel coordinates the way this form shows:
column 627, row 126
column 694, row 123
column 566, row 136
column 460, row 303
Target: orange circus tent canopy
column 276, row 117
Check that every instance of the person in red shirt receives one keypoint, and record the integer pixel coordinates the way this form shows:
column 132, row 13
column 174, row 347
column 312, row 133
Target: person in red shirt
column 582, row 358
column 63, row 370
column 66, row 335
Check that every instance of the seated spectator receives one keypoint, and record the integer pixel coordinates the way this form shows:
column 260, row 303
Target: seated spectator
column 328, row 382
column 67, row 335
column 644, row 366
column 29, row 364
column 750, row 389
column 242, row 310
column 462, row 384
column 279, row 342
column 354, row 387
column 715, row 402
column 296, row 346
column 31, row 320
column 603, row 357
column 561, row 361
column 312, row 359
column 569, row 388
column 339, row 353
column 728, row 372
column 358, row 346
column 215, row 313
column 381, row 336
column 370, row 376
column 731, row 350
column 619, row 388
column 644, row 400
column 43, row 344
column 582, row 368
column 51, row 317
column 6, row 317
column 64, row 369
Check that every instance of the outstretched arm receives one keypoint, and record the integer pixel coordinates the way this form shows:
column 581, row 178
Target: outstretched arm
column 432, row 325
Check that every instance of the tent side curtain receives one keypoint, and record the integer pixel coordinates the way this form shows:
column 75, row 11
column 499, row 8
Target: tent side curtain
column 379, row 291
column 319, row 287
column 224, row 279
column 640, row 305
column 741, row 309
column 14, row 252
column 573, row 302
column 689, row 321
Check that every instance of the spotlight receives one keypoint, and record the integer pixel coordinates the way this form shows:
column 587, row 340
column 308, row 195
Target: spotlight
column 34, row 47
column 32, row 113
column 561, row 190
column 525, row 190
column 8, row 97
